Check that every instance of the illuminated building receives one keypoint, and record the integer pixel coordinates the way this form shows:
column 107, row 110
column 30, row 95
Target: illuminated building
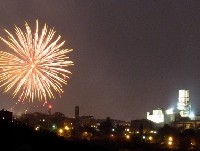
column 182, row 112
column 183, row 105
column 156, row 116
column 161, row 116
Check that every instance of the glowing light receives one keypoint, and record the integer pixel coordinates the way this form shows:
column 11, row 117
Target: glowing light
column 127, row 137
column 191, row 115
column 36, row 68
column 66, row 127
column 60, row 131
column 37, row 128
column 127, row 129
column 170, row 139
column 170, row 111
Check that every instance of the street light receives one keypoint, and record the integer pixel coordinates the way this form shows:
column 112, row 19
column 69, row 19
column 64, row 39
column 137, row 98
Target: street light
column 170, row 139
column 66, row 127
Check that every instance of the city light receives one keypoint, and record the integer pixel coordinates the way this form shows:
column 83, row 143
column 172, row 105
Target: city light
column 66, row 127
column 192, row 115
column 127, row 136
column 170, row 140
column 60, row 132
column 37, row 128
column 169, row 143
column 170, row 111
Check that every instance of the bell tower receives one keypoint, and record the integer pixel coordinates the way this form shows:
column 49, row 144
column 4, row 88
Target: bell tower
column 183, row 105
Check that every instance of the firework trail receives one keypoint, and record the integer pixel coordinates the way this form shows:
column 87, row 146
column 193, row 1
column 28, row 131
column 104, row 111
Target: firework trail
column 36, row 68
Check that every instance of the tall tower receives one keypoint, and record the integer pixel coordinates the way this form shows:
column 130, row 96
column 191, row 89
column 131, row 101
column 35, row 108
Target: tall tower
column 49, row 109
column 183, row 105
column 77, row 118
column 76, row 112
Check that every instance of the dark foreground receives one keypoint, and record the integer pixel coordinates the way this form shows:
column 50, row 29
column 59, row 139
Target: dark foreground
column 18, row 137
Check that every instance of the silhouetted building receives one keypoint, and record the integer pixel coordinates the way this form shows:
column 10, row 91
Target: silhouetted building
column 6, row 116
column 87, row 121
column 76, row 112
column 147, row 126
column 76, row 117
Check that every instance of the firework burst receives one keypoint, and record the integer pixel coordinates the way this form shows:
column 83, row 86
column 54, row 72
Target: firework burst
column 37, row 67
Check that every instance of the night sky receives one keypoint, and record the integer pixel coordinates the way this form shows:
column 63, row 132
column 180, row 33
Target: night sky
column 130, row 56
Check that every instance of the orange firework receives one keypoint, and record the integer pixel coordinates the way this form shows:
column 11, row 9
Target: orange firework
column 38, row 65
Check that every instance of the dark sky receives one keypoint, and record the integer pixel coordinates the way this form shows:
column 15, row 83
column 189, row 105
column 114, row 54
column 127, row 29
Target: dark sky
column 130, row 56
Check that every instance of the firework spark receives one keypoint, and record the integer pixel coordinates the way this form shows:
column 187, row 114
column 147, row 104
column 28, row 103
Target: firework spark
column 37, row 67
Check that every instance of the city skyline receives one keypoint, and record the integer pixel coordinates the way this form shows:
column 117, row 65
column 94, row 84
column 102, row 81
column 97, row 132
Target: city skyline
column 129, row 57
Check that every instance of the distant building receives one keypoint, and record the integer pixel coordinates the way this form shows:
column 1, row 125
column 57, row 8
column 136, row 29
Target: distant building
column 183, row 110
column 156, row 116
column 161, row 116
column 6, row 116
column 147, row 126
column 186, row 123
column 183, row 105
column 76, row 112
column 77, row 125
column 87, row 121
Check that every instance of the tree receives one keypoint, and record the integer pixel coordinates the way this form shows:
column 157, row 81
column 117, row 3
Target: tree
column 106, row 127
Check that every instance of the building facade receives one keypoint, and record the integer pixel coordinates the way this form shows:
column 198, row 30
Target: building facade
column 6, row 116
column 183, row 105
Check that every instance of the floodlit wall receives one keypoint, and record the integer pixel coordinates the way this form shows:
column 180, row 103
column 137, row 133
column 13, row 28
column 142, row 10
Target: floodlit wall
column 183, row 104
column 157, row 116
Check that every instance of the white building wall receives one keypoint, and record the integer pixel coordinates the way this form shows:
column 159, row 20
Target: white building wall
column 183, row 104
column 157, row 116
